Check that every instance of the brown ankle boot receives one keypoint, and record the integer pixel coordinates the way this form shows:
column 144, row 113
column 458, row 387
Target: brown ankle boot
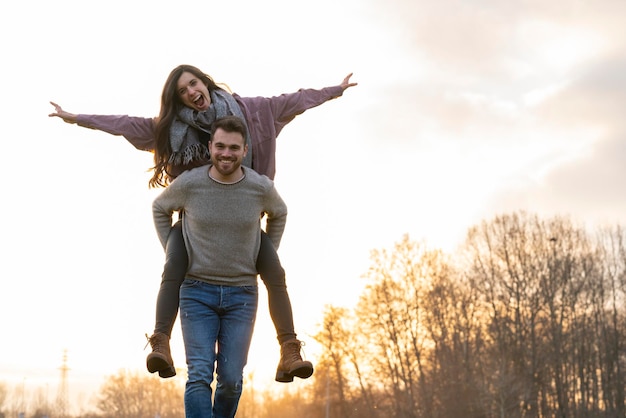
column 291, row 363
column 160, row 360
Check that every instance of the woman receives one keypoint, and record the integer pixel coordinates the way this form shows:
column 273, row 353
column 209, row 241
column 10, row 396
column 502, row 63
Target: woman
column 190, row 102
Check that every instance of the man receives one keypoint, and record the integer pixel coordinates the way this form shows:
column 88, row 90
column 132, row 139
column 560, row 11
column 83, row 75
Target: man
column 222, row 205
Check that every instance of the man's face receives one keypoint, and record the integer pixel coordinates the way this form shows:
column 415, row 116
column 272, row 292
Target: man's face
column 192, row 92
column 227, row 151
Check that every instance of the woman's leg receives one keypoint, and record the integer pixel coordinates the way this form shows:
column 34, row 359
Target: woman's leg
column 273, row 275
column 174, row 271
column 167, row 303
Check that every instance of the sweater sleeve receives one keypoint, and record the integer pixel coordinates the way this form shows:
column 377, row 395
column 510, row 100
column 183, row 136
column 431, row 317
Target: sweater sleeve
column 138, row 131
column 276, row 210
column 163, row 207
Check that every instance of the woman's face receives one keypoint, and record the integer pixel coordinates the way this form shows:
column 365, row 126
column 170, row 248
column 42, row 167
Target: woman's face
column 192, row 92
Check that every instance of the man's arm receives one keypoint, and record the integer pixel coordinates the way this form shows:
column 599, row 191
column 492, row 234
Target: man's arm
column 276, row 211
column 163, row 208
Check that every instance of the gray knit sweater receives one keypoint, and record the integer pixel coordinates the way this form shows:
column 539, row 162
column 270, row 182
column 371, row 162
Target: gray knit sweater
column 221, row 223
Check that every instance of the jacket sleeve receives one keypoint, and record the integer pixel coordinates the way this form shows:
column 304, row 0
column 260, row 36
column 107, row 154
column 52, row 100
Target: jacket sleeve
column 138, row 131
column 267, row 116
column 284, row 108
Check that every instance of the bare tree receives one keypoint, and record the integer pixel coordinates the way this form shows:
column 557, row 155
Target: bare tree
column 453, row 321
column 345, row 365
column 555, row 303
column 503, row 267
column 610, row 328
column 334, row 337
column 41, row 405
column 135, row 395
column 391, row 313
column 4, row 391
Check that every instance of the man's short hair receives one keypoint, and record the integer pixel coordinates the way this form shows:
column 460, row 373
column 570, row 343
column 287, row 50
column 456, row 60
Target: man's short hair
column 230, row 124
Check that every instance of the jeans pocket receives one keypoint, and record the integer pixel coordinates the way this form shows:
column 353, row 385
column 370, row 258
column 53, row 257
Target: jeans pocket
column 191, row 283
column 253, row 290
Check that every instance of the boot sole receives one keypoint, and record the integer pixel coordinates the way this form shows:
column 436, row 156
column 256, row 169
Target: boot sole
column 303, row 372
column 283, row 377
column 169, row 372
column 165, row 369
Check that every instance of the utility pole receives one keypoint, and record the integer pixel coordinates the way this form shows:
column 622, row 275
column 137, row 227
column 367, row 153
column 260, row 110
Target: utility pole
column 62, row 393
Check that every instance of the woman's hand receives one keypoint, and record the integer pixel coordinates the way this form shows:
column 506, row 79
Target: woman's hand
column 346, row 82
column 60, row 113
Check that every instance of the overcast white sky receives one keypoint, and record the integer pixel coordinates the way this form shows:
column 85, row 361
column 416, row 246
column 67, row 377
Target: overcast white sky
column 464, row 110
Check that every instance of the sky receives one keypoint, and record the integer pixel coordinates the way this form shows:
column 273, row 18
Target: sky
column 464, row 110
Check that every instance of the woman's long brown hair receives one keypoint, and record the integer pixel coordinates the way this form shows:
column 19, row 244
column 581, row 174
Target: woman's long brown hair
column 170, row 105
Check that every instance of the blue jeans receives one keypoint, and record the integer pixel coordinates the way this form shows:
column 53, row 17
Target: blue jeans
column 217, row 324
column 268, row 265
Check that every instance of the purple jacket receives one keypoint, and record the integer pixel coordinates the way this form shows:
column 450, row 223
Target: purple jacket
column 265, row 116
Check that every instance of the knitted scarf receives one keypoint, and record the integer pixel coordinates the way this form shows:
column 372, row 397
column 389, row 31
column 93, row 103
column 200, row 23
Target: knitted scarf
column 184, row 135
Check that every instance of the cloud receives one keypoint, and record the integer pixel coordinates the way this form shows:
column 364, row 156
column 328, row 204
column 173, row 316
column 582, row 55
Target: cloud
column 589, row 189
column 531, row 94
column 597, row 96
column 585, row 178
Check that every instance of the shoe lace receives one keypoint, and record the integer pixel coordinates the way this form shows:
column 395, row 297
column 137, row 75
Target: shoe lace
column 293, row 350
column 148, row 342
